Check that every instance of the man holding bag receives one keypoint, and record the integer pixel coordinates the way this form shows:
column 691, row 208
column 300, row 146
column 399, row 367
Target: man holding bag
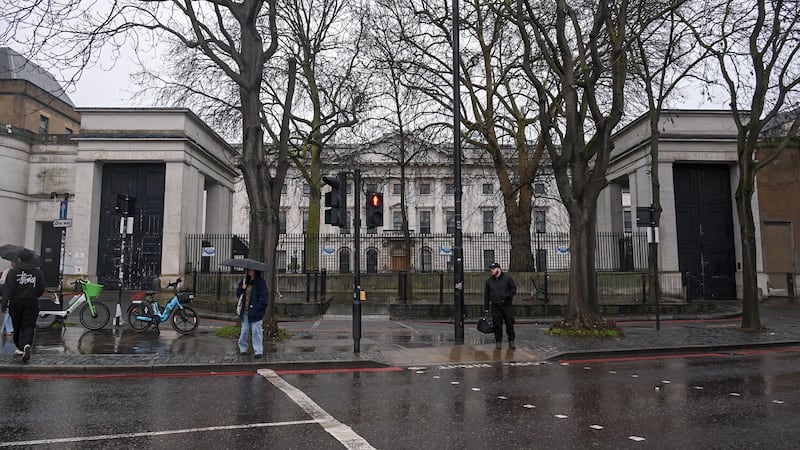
column 253, row 298
column 499, row 293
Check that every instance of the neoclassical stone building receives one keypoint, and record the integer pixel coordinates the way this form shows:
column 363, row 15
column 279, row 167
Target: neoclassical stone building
column 176, row 168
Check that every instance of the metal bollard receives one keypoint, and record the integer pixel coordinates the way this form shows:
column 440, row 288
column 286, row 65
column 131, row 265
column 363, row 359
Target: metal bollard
column 790, row 286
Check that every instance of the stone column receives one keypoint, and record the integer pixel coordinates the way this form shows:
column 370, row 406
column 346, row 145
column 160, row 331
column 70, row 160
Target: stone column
column 218, row 209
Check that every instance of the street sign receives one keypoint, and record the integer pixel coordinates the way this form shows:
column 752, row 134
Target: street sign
column 62, row 223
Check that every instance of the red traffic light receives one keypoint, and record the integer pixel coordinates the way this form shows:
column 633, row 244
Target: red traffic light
column 376, row 200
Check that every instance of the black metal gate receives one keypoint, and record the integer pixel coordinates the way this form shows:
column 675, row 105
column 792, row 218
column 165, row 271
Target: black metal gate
column 704, row 216
column 144, row 182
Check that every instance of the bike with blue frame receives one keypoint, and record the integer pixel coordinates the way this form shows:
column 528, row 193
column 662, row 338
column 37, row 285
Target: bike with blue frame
column 144, row 314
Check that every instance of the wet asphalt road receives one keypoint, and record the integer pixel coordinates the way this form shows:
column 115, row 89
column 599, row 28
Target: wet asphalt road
column 739, row 400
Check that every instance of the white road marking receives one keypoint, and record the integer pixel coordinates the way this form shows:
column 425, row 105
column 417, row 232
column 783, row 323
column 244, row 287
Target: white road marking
column 561, row 416
column 502, row 397
column 778, row 402
column 108, row 437
column 529, row 406
column 454, row 383
column 344, row 434
column 596, row 427
column 406, row 326
column 699, row 388
column 636, row 438
column 476, row 389
column 666, row 381
column 316, row 324
column 736, row 394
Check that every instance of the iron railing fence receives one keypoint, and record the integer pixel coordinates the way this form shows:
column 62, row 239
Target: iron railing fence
column 385, row 252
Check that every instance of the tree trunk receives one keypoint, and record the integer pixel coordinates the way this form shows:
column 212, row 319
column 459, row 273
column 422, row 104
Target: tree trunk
column 751, row 319
column 582, row 298
column 519, row 227
column 314, row 206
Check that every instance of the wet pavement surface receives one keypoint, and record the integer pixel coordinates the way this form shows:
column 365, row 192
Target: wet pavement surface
column 399, row 343
column 737, row 400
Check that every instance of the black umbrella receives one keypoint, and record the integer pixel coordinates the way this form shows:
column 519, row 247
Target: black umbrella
column 246, row 263
column 11, row 252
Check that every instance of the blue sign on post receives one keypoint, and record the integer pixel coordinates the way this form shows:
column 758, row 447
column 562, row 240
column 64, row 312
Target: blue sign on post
column 62, row 210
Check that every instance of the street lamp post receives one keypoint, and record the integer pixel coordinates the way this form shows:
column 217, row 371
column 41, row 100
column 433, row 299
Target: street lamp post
column 458, row 250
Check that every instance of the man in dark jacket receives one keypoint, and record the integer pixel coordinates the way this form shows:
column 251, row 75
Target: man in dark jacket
column 24, row 285
column 499, row 293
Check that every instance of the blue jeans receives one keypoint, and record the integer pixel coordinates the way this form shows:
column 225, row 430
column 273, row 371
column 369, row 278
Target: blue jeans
column 257, row 330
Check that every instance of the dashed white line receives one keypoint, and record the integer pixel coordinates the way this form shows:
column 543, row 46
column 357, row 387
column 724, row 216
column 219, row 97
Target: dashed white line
column 108, row 437
column 344, row 434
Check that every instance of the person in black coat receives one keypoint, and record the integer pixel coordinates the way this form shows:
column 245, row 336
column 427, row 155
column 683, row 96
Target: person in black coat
column 255, row 297
column 499, row 293
column 25, row 283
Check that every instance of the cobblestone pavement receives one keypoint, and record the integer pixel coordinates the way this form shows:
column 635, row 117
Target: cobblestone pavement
column 316, row 343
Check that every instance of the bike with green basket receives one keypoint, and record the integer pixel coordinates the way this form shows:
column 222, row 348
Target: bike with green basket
column 93, row 314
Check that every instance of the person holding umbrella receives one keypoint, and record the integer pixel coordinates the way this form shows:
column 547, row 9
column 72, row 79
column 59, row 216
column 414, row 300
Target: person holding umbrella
column 24, row 284
column 253, row 299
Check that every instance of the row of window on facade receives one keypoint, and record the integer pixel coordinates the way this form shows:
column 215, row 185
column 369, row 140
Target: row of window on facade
column 425, row 221
column 374, row 264
column 424, row 188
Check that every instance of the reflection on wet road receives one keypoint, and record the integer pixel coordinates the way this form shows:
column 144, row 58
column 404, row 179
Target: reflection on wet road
column 702, row 402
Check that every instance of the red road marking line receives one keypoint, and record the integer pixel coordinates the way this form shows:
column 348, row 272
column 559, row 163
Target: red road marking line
column 137, row 375
column 107, row 376
column 640, row 358
column 351, row 370
column 767, row 350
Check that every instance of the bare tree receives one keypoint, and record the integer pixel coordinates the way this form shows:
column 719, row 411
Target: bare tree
column 662, row 57
column 499, row 108
column 236, row 37
column 326, row 38
column 576, row 57
column 756, row 48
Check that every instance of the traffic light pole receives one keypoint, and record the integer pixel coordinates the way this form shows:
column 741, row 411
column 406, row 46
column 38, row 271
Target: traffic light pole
column 458, row 247
column 357, row 261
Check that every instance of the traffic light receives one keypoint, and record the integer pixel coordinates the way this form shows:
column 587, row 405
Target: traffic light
column 336, row 200
column 374, row 210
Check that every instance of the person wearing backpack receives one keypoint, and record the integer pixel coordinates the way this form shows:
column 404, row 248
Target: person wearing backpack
column 25, row 283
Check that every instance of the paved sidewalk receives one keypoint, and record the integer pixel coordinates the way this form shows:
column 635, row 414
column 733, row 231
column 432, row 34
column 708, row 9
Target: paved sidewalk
column 321, row 343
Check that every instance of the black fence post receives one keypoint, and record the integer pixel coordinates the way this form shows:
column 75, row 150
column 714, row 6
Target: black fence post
column 644, row 288
column 441, row 287
column 324, row 284
column 316, row 284
column 219, row 285
column 308, row 286
column 790, row 286
column 402, row 285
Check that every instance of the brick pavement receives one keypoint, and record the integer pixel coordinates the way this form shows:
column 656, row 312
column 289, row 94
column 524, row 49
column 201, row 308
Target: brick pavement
column 316, row 343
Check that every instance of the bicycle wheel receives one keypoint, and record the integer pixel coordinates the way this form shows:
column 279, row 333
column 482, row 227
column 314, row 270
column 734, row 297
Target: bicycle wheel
column 184, row 321
column 100, row 319
column 139, row 309
column 44, row 322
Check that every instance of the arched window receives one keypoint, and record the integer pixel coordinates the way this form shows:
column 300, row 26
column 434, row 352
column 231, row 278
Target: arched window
column 426, row 260
column 344, row 261
column 372, row 261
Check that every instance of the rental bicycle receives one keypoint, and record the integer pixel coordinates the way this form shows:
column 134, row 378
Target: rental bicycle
column 93, row 314
column 144, row 314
